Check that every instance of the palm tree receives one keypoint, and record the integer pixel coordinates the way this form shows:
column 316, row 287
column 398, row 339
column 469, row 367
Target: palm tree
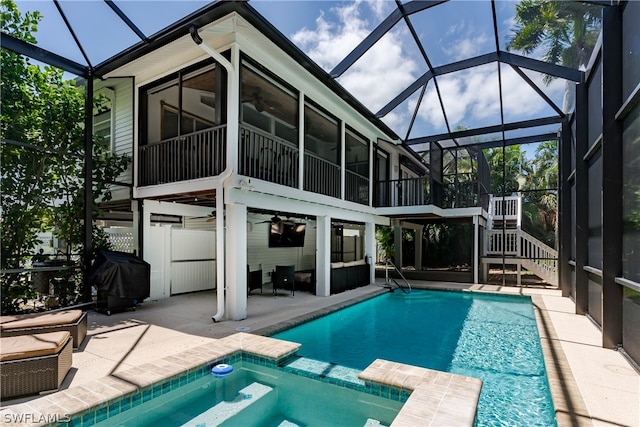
column 567, row 30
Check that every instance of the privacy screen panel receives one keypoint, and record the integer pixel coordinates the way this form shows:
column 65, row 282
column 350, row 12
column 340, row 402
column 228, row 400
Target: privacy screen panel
column 631, row 196
column 595, row 210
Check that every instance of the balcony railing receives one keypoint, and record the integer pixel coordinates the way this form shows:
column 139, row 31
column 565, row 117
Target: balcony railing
column 268, row 158
column 403, row 192
column 321, row 176
column 460, row 195
column 356, row 188
column 197, row 155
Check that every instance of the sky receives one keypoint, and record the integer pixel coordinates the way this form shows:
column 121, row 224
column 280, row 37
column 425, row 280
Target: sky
column 328, row 30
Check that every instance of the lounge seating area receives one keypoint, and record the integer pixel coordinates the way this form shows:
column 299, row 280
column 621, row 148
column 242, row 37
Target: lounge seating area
column 349, row 275
column 36, row 350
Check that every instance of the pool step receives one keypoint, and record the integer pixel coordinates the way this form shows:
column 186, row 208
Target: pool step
column 373, row 423
column 222, row 411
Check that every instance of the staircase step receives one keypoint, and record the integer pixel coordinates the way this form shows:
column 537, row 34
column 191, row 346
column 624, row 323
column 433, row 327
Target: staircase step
column 224, row 410
column 373, row 423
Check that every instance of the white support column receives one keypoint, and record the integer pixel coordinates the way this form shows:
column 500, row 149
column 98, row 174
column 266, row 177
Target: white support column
column 323, row 256
column 475, row 261
column 397, row 244
column 301, row 135
column 136, row 227
column 343, row 163
column 370, row 249
column 418, row 247
column 236, row 261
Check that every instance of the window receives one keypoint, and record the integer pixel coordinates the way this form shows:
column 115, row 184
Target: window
column 357, row 155
column 103, row 118
column 182, row 103
column 322, row 134
column 267, row 104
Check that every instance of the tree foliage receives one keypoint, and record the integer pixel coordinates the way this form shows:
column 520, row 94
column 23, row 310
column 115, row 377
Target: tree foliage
column 566, row 30
column 535, row 178
column 42, row 128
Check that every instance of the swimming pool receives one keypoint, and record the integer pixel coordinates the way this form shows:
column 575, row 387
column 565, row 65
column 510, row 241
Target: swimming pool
column 492, row 337
column 257, row 395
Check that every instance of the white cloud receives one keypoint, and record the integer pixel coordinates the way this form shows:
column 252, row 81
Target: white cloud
column 466, row 47
column 381, row 73
column 470, row 97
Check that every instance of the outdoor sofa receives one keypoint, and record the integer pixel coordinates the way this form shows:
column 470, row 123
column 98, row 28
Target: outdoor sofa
column 349, row 275
column 72, row 321
column 31, row 364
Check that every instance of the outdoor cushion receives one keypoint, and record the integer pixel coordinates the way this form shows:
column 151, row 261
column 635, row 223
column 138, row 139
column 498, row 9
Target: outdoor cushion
column 20, row 321
column 337, row 264
column 27, row 346
column 354, row 263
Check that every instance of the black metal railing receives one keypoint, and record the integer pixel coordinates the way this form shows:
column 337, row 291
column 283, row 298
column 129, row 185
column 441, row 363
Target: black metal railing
column 356, row 188
column 321, row 176
column 200, row 154
column 403, row 192
column 460, row 195
column 268, row 158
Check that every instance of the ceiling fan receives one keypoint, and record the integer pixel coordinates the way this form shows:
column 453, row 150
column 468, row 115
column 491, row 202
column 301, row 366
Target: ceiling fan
column 210, row 217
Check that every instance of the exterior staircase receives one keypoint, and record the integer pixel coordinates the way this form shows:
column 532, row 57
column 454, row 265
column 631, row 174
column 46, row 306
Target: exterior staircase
column 505, row 240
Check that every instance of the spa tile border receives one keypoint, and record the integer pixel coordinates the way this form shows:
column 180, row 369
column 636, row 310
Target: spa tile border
column 436, row 398
column 100, row 399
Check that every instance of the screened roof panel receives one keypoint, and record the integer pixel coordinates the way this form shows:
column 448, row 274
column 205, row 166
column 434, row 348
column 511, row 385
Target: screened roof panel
column 471, row 97
column 430, row 119
column 400, row 118
column 533, row 132
column 165, row 13
column 521, row 101
column 556, row 89
column 566, row 12
column 455, row 30
column 100, row 32
column 372, row 48
column 389, row 66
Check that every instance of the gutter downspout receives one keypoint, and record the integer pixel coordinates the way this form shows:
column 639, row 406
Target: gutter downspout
column 220, row 235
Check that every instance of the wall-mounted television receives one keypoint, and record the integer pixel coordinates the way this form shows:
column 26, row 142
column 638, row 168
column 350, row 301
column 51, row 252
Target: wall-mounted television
column 286, row 234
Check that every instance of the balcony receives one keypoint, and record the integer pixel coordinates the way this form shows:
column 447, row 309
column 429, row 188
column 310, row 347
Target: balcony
column 403, row 192
column 266, row 157
column 356, row 188
column 197, row 155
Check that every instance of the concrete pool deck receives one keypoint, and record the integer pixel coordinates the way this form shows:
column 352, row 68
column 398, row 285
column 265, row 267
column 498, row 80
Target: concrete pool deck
column 591, row 385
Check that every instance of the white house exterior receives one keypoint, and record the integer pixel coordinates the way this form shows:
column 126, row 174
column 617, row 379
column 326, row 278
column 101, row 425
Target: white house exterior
column 228, row 126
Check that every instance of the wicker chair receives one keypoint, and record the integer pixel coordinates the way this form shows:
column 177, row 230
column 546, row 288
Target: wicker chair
column 31, row 364
column 73, row 321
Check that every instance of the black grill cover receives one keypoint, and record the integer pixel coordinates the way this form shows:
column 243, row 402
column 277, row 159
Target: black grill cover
column 121, row 274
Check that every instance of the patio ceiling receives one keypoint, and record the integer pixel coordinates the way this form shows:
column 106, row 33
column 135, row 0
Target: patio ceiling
column 464, row 87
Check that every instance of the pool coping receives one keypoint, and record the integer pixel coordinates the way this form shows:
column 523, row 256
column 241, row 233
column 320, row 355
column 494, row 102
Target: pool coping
column 569, row 405
column 434, row 397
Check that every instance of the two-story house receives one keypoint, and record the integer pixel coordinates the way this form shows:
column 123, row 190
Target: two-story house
column 238, row 137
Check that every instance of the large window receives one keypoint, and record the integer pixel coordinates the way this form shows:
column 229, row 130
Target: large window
column 183, row 103
column 322, row 134
column 268, row 105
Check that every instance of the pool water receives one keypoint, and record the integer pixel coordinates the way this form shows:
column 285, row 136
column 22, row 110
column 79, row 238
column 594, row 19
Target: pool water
column 491, row 337
column 254, row 395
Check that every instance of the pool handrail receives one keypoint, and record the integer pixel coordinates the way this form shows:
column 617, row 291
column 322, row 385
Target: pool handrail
column 386, row 277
